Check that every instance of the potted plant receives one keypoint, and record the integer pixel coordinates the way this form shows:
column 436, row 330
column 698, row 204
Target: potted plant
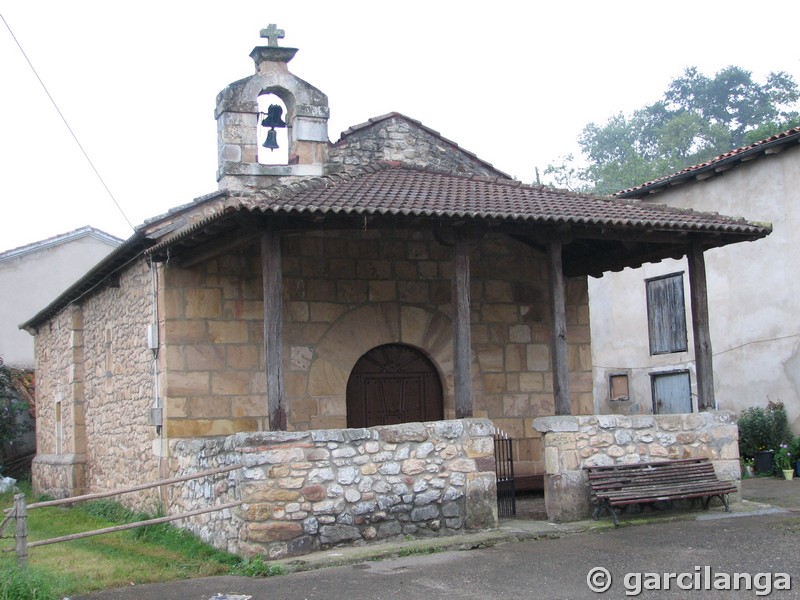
column 784, row 461
column 747, row 467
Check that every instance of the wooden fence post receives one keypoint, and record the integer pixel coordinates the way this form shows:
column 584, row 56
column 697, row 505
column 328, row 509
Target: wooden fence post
column 21, row 535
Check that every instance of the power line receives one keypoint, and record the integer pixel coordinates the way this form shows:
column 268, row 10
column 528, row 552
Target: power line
column 63, row 118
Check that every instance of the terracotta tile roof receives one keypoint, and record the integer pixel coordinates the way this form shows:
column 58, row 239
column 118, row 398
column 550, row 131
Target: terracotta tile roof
column 717, row 165
column 396, row 189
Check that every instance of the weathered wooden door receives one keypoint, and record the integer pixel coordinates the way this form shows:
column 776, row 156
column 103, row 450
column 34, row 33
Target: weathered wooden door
column 393, row 383
column 672, row 392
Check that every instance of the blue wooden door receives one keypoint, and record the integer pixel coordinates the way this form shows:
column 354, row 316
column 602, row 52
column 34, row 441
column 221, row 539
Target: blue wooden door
column 672, row 392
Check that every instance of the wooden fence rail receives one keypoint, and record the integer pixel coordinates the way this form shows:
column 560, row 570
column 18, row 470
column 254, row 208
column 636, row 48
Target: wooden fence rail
column 127, row 490
column 19, row 512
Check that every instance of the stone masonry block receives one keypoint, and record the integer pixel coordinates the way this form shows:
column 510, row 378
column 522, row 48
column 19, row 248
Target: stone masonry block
column 490, row 358
column 190, row 428
column 481, row 501
column 551, row 463
column 203, row 303
column 187, row 384
column 184, row 332
column 538, row 357
column 567, row 496
column 382, row 290
column 202, row 357
column 406, row 432
column 230, row 383
column 227, row 332
column 557, row 423
column 273, row 531
column 479, row 447
column 208, row 408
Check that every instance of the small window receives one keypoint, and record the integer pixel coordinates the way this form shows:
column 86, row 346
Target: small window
column 58, row 420
column 666, row 314
column 618, row 386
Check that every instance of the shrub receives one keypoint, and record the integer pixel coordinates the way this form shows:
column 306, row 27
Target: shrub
column 779, row 424
column 763, row 428
column 753, row 431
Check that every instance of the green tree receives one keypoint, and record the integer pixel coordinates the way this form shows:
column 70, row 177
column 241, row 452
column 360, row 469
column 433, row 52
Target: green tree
column 697, row 119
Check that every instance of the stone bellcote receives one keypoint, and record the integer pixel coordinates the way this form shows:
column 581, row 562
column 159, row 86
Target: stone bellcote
column 237, row 114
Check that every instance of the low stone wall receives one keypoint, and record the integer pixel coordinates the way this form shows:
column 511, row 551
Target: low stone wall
column 573, row 443
column 311, row 490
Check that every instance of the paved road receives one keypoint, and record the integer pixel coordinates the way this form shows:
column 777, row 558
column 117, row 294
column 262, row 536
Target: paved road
column 547, row 569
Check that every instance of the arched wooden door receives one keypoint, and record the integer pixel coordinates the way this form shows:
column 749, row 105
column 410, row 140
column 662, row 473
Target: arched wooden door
column 393, row 383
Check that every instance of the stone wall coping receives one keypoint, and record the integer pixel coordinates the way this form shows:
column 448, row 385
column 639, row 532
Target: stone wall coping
column 403, row 432
column 568, row 423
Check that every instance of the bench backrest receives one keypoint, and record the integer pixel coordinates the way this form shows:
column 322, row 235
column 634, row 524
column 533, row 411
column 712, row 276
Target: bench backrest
column 651, row 473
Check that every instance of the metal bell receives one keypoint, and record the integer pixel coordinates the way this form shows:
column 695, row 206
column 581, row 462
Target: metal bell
column 273, row 118
column 272, row 140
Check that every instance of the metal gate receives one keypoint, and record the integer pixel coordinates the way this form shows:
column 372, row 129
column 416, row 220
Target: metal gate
column 504, row 469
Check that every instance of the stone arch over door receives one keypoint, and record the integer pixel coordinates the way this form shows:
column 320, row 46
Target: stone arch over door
column 369, row 326
column 392, row 384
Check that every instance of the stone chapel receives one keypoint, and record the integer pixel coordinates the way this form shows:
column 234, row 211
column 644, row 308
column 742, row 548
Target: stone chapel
column 349, row 327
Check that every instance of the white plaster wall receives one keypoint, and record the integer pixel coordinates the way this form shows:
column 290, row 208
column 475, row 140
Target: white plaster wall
column 753, row 297
column 30, row 281
column 618, row 305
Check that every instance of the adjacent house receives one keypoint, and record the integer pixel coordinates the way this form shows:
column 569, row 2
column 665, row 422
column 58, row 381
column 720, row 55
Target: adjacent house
column 643, row 345
column 348, row 327
column 33, row 275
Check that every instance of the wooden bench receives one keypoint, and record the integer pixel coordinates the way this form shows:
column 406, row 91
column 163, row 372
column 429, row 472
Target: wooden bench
column 622, row 485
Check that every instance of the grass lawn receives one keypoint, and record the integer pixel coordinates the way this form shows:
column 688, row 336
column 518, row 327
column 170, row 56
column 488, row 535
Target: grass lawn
column 143, row 555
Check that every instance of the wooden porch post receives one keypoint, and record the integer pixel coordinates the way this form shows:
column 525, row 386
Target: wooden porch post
column 702, row 336
column 559, row 329
column 272, row 275
column 462, row 337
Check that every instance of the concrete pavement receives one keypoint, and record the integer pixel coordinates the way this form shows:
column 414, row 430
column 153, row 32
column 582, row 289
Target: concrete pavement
column 509, row 563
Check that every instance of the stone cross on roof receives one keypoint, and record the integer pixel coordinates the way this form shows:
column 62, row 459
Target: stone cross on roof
column 273, row 34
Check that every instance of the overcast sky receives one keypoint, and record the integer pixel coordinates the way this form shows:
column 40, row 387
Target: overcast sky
column 513, row 82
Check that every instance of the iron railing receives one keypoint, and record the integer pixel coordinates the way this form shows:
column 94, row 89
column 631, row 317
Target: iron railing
column 504, row 468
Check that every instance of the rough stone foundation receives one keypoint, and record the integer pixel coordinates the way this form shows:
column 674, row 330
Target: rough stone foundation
column 573, row 443
column 311, row 490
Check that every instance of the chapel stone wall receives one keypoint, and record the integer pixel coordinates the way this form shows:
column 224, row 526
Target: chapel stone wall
column 94, row 356
column 119, row 388
column 312, row 490
column 346, row 292
column 398, row 139
column 213, row 322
